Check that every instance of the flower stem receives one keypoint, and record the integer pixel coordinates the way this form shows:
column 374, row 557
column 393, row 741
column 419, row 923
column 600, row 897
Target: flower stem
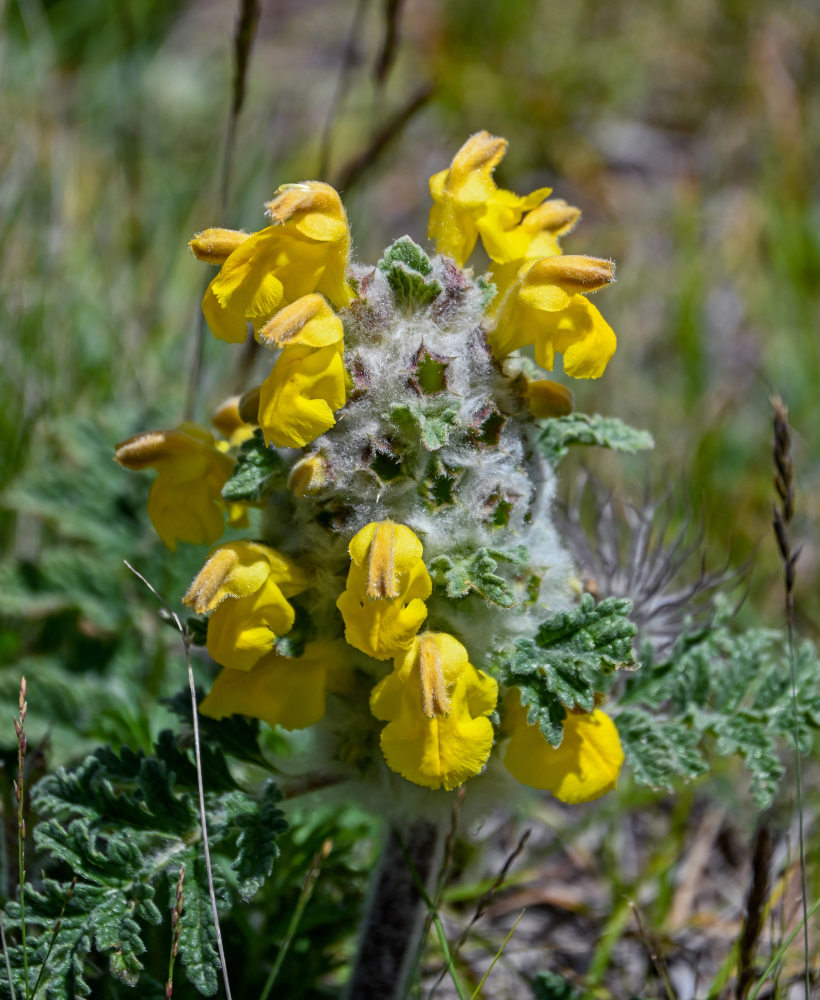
column 395, row 913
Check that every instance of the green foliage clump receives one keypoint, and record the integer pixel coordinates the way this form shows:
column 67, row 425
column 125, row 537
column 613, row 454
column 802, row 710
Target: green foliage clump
column 124, row 824
column 725, row 689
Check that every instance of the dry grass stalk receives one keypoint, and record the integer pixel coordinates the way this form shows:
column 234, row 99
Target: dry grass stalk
column 755, row 908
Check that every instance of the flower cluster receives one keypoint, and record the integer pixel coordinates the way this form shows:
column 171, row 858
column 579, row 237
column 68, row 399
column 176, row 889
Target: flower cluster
column 391, row 450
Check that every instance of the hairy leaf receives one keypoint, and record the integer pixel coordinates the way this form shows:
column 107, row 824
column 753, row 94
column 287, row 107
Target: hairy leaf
column 258, row 471
column 734, row 688
column 475, row 572
column 590, row 429
column 124, row 824
column 407, row 268
column 571, row 658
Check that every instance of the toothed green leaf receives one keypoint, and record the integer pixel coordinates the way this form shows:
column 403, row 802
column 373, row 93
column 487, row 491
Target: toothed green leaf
column 586, row 429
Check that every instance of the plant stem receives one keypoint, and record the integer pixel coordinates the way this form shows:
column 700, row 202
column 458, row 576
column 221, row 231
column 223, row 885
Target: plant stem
column 395, row 914
column 20, row 727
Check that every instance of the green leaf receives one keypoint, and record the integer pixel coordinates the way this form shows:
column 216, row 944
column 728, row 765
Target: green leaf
column 258, row 471
column 407, row 268
column 730, row 688
column 432, row 425
column 586, row 429
column 475, row 572
column 124, row 824
column 573, row 656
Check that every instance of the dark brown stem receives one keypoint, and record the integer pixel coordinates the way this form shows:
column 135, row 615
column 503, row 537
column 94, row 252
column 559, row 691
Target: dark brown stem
column 395, row 915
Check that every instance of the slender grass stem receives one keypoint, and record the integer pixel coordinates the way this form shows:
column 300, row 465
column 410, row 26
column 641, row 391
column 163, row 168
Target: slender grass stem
column 19, row 787
column 56, row 930
column 203, row 819
column 296, row 917
column 12, row 994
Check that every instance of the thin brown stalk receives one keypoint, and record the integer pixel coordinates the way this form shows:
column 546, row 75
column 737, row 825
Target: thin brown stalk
column 243, row 44
column 351, row 172
column 656, row 955
column 19, row 791
column 481, row 906
column 340, row 90
column 390, row 41
column 176, row 927
column 755, row 908
column 783, row 513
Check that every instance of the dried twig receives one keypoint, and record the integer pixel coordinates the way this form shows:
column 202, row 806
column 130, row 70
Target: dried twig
column 481, row 907
column 243, row 43
column 390, row 41
column 19, row 791
column 352, row 171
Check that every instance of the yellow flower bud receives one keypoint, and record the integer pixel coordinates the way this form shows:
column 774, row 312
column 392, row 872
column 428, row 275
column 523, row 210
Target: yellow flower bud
column 548, row 399
column 309, row 475
column 466, row 203
column 244, row 586
column 555, row 318
column 216, row 245
column 280, row 690
column 305, row 250
column 307, row 384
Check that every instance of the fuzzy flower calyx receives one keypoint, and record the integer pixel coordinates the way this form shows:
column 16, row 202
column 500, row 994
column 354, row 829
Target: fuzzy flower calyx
column 243, row 587
column 436, row 705
column 304, row 250
column 185, row 503
column 383, row 602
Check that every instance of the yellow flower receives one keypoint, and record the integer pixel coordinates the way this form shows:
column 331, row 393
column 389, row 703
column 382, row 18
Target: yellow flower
column 383, row 603
column 436, row 705
column 535, row 237
column 547, row 308
column 307, row 383
column 244, row 586
column 280, row 690
column 185, row 503
column 304, row 250
column 584, row 767
column 466, row 203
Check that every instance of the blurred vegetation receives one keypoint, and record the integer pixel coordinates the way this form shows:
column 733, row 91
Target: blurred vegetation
column 687, row 130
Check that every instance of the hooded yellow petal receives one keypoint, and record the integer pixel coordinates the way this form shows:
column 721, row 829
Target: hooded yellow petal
column 584, row 767
column 243, row 629
column 225, row 323
column 299, row 397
